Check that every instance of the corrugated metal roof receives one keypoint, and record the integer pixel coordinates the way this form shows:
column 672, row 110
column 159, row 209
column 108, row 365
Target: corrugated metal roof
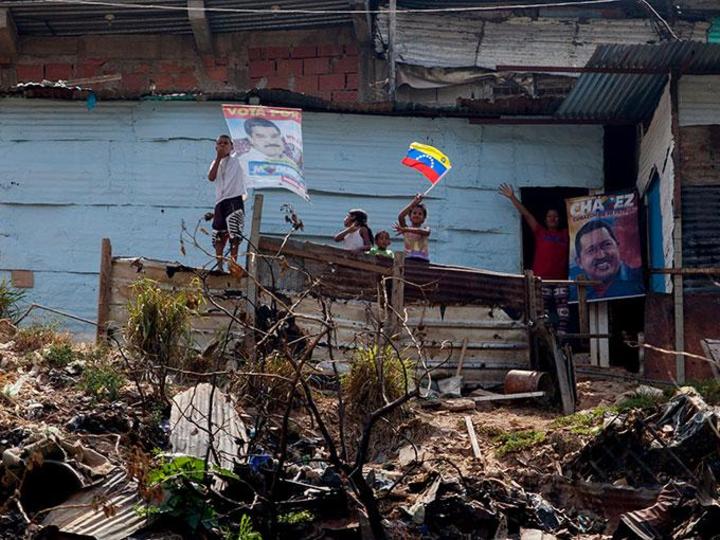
column 698, row 100
column 52, row 19
column 613, row 97
column 471, row 41
column 104, row 512
column 686, row 56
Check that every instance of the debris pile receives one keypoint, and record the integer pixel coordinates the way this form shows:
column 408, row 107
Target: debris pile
column 671, row 457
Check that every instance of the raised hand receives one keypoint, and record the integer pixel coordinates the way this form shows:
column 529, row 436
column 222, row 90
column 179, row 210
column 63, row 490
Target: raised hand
column 506, row 190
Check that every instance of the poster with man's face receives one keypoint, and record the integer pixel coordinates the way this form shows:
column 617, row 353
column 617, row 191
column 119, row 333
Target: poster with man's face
column 605, row 245
column 268, row 142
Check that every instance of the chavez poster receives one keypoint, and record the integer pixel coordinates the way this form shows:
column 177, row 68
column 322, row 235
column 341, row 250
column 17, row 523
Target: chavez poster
column 605, row 245
column 268, row 141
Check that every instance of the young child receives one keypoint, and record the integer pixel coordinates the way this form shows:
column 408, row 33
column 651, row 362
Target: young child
column 357, row 236
column 382, row 245
column 416, row 236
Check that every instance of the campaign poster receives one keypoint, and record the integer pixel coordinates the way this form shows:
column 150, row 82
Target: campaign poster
column 605, row 245
column 268, row 142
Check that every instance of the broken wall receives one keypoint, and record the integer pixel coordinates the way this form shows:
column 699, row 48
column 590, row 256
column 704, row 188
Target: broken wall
column 323, row 62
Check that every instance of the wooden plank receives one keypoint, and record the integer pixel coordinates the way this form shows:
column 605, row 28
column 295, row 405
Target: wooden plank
column 508, row 397
column 462, row 357
column 583, row 308
column 473, row 438
column 711, row 348
column 130, row 270
column 397, row 296
column 325, row 254
column 104, row 284
column 22, row 279
column 603, row 328
column 252, row 271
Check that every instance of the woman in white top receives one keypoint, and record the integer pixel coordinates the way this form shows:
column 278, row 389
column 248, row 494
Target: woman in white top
column 357, row 236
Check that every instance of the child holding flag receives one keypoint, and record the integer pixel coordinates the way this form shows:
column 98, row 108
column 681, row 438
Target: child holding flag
column 416, row 237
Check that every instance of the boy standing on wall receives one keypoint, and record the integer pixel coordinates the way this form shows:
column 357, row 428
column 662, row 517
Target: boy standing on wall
column 230, row 192
column 551, row 256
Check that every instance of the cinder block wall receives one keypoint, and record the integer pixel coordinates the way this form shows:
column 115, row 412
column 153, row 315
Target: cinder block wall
column 322, row 63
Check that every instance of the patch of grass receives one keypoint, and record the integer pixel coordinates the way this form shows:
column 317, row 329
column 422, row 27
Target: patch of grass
column 376, row 374
column 516, row 441
column 59, row 355
column 584, row 422
column 294, row 518
column 10, row 297
column 640, row 401
column 37, row 336
column 709, row 390
column 158, row 324
column 102, row 381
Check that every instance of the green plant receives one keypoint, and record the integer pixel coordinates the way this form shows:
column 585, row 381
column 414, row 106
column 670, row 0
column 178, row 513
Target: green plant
column 640, row 401
column 59, row 355
column 102, row 380
column 246, row 531
column 584, row 422
column 377, row 376
column 709, row 390
column 515, row 441
column 158, row 327
column 159, row 321
column 294, row 518
column 183, row 480
column 9, row 300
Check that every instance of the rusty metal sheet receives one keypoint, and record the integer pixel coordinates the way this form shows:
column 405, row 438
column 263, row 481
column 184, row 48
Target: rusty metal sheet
column 104, row 512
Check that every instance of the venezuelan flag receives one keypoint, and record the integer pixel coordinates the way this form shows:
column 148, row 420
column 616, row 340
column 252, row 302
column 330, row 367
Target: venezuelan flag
column 430, row 161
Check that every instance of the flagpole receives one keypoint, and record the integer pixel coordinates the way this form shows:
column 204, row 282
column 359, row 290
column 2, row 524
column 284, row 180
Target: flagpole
column 432, row 186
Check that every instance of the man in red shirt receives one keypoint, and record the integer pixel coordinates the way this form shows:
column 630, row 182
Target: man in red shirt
column 551, row 257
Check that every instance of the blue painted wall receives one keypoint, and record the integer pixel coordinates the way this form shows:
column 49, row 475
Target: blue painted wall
column 133, row 171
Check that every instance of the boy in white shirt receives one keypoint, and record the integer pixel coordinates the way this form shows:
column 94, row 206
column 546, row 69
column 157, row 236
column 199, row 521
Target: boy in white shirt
column 230, row 192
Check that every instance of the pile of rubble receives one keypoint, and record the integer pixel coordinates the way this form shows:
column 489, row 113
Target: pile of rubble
column 81, row 466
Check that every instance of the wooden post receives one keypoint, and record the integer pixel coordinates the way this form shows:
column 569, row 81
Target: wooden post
column 583, row 308
column 104, row 290
column 251, row 268
column 392, row 46
column 397, row 295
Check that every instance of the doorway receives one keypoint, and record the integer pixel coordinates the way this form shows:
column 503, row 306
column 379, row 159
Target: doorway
column 538, row 200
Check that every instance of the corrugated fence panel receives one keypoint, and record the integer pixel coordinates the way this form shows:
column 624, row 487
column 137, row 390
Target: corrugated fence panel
column 133, row 171
column 698, row 102
column 701, row 230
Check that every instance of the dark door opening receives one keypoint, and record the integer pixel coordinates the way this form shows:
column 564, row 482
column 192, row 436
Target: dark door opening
column 538, row 201
column 625, row 317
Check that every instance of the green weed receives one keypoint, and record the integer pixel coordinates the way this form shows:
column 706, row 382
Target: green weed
column 376, row 375
column 37, row 336
column 640, row 401
column 59, row 355
column 10, row 299
column 102, row 381
column 516, row 441
column 584, row 422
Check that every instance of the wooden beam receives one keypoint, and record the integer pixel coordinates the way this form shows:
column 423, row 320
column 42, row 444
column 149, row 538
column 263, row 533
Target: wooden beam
column 8, row 34
column 104, row 285
column 200, row 26
column 473, row 437
column 392, row 46
column 508, row 397
column 397, row 297
column 251, row 268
